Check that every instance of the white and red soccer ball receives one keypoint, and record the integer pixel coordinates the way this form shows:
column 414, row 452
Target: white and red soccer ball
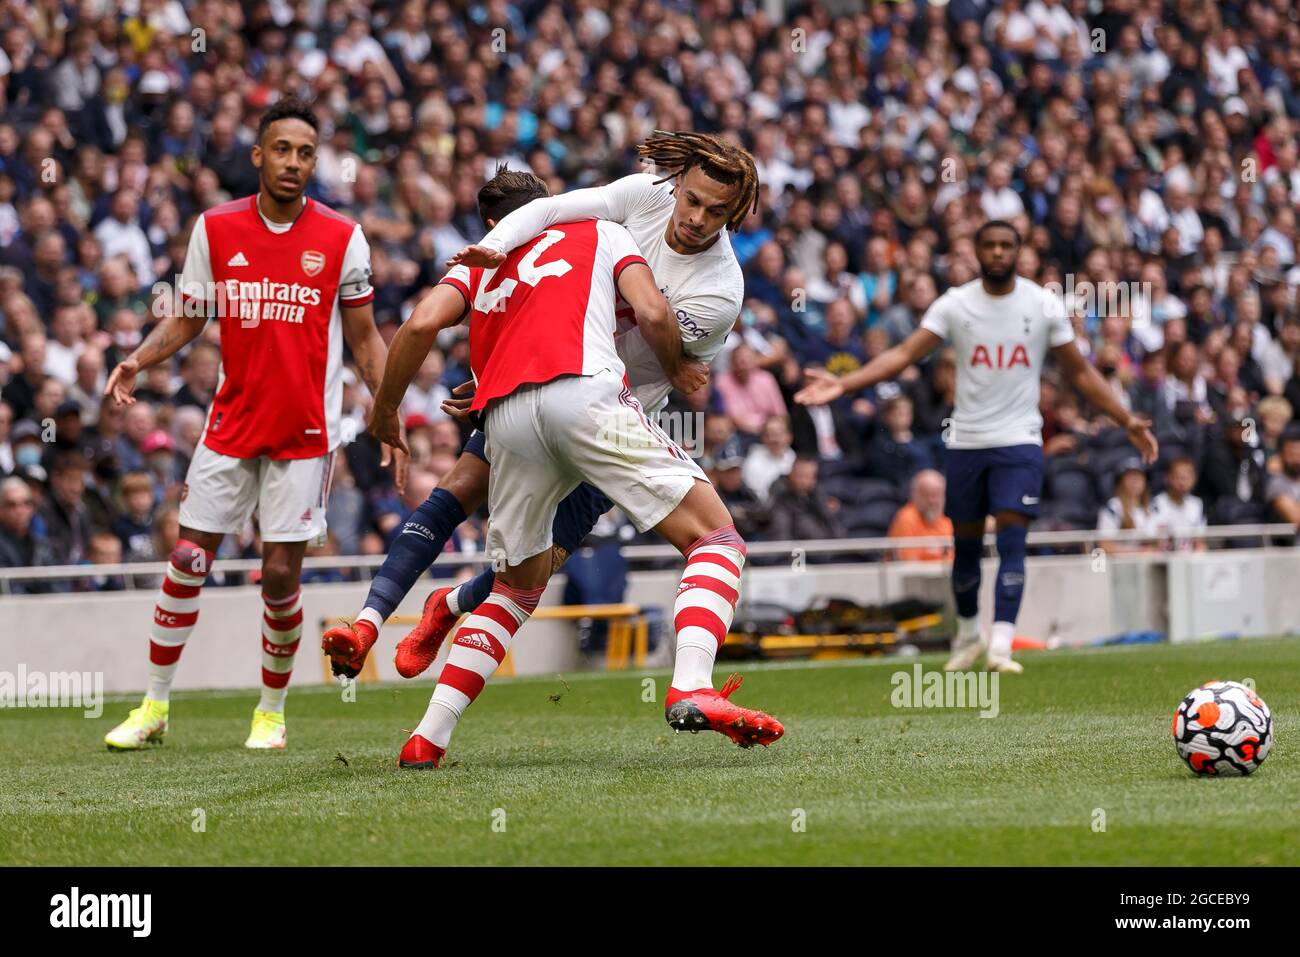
column 1223, row 728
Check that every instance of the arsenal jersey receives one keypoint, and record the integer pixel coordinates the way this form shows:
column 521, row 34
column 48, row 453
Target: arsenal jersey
column 277, row 290
column 548, row 310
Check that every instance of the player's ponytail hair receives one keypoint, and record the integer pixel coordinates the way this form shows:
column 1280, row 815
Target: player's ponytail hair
column 507, row 191
column 719, row 160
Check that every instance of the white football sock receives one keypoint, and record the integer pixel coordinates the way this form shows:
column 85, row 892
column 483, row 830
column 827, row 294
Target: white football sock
column 706, row 603
column 968, row 629
column 1000, row 639
column 453, row 599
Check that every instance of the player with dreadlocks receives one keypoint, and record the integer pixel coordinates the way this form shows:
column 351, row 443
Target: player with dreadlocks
column 679, row 219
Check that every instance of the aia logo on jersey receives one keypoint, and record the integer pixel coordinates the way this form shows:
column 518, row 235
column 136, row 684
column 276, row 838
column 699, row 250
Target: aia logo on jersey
column 313, row 262
column 1001, row 358
column 683, row 586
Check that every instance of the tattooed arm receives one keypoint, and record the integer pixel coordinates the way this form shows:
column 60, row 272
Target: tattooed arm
column 166, row 339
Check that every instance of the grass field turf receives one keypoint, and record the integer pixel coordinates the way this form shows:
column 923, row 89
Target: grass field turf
column 596, row 777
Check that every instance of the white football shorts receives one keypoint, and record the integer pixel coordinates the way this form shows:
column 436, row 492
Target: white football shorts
column 290, row 495
column 544, row 439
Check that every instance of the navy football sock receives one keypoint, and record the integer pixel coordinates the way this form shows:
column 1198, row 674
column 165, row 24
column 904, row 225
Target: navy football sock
column 1011, row 573
column 475, row 591
column 419, row 544
column 967, row 553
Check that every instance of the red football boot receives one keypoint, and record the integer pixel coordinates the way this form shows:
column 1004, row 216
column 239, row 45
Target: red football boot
column 347, row 647
column 421, row 753
column 417, row 650
column 707, row 710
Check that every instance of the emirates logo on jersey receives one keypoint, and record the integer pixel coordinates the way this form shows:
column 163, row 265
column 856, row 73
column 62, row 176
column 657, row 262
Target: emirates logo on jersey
column 313, row 262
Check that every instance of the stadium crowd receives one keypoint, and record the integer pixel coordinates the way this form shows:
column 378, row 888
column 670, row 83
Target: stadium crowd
column 1139, row 146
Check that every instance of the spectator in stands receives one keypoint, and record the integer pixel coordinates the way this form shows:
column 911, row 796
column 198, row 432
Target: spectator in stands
column 933, row 396
column 105, row 549
column 21, row 546
column 6, row 439
column 800, row 511
column 1176, row 510
column 119, row 234
column 1148, row 394
column 65, row 513
column 902, row 320
column 770, row 458
column 1112, row 161
column 748, row 510
column 923, row 516
column 1275, row 414
column 749, row 395
column 1232, row 476
column 199, row 373
column 1129, row 508
column 1283, row 489
column 894, row 452
column 719, row 439
column 134, row 524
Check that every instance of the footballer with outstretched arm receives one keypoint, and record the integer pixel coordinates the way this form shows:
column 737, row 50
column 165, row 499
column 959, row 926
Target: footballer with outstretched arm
column 680, row 223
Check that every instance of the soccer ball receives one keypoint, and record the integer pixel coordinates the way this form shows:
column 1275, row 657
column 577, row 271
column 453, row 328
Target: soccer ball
column 1223, row 728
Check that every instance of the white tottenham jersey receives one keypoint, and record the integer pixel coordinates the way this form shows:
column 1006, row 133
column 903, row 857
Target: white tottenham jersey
column 1001, row 344
column 704, row 289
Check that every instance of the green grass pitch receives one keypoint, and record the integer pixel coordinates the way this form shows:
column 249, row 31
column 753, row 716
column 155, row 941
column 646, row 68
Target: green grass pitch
column 581, row 771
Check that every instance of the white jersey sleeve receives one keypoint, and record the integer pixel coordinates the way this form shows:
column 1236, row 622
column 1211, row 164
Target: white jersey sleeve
column 938, row 316
column 1061, row 330
column 196, row 274
column 354, row 278
column 458, row 277
column 618, row 247
column 618, row 202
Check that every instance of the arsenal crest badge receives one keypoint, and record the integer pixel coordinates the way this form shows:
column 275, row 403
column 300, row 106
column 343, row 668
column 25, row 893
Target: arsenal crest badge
column 313, row 262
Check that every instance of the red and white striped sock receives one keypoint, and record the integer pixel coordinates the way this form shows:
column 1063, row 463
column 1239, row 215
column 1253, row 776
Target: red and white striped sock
column 281, row 630
column 706, row 602
column 175, row 614
column 477, row 648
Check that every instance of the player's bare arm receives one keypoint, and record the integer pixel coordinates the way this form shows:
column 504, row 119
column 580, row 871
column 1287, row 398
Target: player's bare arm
column 1089, row 383
column 826, row 387
column 167, row 338
column 657, row 325
column 441, row 309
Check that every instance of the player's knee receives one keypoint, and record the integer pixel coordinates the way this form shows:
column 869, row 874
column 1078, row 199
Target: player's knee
column 727, row 537
column 278, row 576
column 191, row 557
column 467, row 481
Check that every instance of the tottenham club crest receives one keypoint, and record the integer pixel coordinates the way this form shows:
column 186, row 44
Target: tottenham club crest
column 313, row 262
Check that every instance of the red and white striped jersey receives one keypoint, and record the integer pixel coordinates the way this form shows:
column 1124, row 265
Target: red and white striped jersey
column 548, row 310
column 277, row 290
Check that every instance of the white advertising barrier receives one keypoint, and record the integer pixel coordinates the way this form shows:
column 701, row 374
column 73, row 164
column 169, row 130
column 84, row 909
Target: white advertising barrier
column 1073, row 598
